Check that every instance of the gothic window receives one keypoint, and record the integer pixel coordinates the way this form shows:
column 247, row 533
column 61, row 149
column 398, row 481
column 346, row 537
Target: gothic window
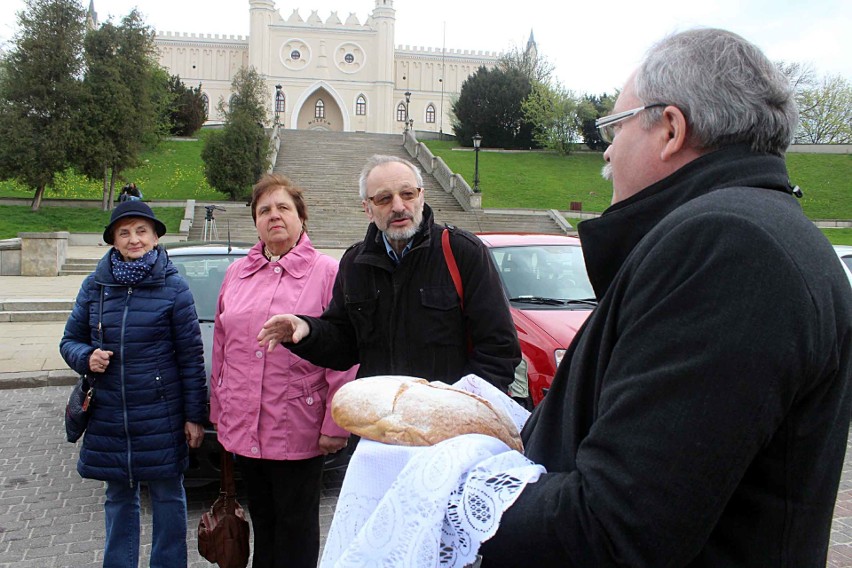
column 279, row 102
column 319, row 109
column 400, row 112
column 205, row 103
column 361, row 106
column 430, row 114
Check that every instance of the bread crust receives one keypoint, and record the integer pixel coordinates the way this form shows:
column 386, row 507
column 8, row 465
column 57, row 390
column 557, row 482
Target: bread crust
column 408, row 411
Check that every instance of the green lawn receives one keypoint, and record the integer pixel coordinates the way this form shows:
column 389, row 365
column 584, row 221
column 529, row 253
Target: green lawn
column 173, row 170
column 21, row 219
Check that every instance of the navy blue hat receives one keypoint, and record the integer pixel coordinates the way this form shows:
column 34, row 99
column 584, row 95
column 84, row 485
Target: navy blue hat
column 132, row 209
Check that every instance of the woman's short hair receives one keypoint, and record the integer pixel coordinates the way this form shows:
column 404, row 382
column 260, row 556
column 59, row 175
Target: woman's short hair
column 271, row 182
column 729, row 91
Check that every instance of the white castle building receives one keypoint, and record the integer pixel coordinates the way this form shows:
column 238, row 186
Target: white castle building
column 328, row 75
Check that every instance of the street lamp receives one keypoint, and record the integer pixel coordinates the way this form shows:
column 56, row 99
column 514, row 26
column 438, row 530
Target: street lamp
column 407, row 101
column 277, row 102
column 477, row 141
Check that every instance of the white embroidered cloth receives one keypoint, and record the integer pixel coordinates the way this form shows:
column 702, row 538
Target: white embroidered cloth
column 432, row 506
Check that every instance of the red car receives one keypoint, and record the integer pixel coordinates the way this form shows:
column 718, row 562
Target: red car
column 550, row 297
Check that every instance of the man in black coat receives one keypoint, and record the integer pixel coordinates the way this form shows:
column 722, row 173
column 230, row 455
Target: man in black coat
column 395, row 309
column 700, row 417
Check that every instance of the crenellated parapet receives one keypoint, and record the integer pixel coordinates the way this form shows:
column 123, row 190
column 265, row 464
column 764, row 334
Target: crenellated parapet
column 333, row 21
column 419, row 50
column 183, row 38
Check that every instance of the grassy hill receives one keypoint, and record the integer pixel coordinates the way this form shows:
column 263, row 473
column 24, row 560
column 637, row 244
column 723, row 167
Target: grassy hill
column 533, row 180
column 545, row 180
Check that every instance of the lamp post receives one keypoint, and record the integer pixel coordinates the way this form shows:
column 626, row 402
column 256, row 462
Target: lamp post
column 477, row 141
column 407, row 101
column 277, row 102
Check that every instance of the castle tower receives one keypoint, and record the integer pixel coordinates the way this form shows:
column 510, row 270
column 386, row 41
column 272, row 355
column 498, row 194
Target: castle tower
column 261, row 17
column 384, row 21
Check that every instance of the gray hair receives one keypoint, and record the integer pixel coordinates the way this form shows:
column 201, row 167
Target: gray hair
column 728, row 90
column 378, row 160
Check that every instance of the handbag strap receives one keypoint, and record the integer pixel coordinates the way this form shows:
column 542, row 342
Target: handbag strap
column 227, row 486
column 90, row 379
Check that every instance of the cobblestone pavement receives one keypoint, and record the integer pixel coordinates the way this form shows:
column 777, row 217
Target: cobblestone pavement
column 51, row 518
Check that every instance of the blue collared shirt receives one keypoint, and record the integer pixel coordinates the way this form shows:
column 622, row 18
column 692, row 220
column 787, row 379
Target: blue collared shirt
column 396, row 258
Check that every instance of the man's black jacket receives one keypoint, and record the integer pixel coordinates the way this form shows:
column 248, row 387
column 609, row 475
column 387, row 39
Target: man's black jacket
column 700, row 417
column 407, row 320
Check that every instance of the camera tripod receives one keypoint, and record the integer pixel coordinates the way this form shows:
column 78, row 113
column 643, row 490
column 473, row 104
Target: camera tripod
column 210, row 231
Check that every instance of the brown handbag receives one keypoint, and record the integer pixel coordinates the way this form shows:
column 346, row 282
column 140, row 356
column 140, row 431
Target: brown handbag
column 223, row 531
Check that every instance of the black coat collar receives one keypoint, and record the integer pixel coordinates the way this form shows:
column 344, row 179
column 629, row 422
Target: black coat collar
column 609, row 239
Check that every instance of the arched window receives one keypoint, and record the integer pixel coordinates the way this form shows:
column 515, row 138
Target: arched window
column 233, row 101
column 279, row 102
column 205, row 104
column 319, row 109
column 361, row 106
column 430, row 114
column 400, row 112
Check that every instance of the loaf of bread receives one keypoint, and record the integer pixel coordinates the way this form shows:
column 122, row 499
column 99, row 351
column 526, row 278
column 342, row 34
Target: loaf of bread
column 407, row 411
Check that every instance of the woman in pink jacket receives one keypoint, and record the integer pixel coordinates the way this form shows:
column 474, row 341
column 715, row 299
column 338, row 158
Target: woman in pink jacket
column 271, row 408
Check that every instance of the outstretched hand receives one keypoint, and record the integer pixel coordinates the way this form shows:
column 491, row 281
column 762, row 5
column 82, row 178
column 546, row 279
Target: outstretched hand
column 282, row 328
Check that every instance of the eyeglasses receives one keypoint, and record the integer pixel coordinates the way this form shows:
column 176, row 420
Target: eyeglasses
column 384, row 198
column 608, row 125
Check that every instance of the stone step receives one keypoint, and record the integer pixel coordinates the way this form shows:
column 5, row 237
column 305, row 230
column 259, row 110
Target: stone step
column 35, row 316
column 327, row 166
column 35, row 304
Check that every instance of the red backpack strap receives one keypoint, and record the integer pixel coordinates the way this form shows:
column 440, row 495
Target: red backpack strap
column 452, row 266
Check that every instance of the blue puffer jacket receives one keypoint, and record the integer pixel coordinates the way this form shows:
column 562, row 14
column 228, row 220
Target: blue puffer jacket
column 155, row 380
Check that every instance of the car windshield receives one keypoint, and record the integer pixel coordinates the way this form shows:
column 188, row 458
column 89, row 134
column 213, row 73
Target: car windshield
column 544, row 274
column 204, row 274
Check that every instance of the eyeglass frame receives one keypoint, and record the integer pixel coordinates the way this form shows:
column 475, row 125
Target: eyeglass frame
column 606, row 124
column 392, row 194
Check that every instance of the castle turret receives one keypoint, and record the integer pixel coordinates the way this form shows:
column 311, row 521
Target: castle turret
column 383, row 21
column 261, row 14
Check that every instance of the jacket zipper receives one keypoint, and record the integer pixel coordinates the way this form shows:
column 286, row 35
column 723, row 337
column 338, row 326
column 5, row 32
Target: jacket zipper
column 123, row 391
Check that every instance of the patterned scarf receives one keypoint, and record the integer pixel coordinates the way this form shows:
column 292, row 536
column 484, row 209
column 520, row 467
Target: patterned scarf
column 131, row 273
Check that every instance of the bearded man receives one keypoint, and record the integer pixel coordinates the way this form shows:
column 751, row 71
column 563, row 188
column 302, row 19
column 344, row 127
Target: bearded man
column 395, row 309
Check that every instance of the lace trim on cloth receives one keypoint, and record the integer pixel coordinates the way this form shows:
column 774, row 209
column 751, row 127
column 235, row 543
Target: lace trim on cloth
column 430, row 506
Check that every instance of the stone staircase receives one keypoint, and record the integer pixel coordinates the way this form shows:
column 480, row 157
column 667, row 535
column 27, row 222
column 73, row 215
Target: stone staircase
column 78, row 266
column 35, row 310
column 327, row 166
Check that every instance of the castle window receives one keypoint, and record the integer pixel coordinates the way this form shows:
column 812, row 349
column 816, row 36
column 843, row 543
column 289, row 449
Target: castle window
column 430, row 114
column 319, row 109
column 361, row 106
column 400, row 112
column 205, row 103
column 295, row 55
column 349, row 58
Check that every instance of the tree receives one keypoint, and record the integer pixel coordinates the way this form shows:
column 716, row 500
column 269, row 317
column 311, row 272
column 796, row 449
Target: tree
column 249, row 97
column 235, row 157
column 825, row 112
column 40, row 92
column 187, row 111
column 591, row 108
column 490, row 104
column 528, row 61
column 120, row 111
column 554, row 113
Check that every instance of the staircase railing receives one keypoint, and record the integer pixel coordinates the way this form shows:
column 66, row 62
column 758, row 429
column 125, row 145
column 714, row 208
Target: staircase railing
column 451, row 182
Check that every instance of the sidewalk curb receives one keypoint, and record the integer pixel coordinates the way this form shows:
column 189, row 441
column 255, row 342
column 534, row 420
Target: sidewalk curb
column 36, row 379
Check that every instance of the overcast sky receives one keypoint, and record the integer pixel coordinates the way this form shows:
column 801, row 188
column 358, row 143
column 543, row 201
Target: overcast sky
column 594, row 45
